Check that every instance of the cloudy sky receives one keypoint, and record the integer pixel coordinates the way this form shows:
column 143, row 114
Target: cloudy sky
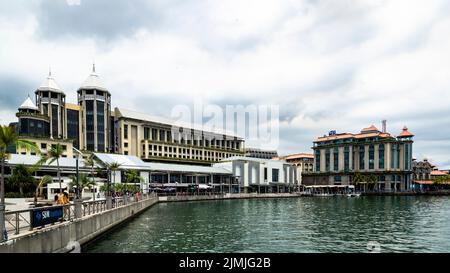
column 328, row 64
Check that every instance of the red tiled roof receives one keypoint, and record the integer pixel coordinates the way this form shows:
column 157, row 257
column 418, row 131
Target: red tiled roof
column 405, row 133
column 371, row 128
column 438, row 172
column 294, row 156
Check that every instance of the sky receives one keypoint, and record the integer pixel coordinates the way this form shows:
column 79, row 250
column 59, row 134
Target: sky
column 328, row 65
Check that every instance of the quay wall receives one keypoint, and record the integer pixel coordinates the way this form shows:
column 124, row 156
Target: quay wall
column 181, row 198
column 69, row 236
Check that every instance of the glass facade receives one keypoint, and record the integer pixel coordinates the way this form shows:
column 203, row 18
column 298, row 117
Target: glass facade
column 55, row 121
column 90, row 134
column 73, row 127
column 34, row 127
column 406, row 147
column 101, row 126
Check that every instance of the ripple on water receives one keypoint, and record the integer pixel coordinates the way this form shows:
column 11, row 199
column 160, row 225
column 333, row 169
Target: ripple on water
column 398, row 224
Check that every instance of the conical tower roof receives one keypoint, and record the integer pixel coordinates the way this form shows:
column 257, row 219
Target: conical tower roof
column 50, row 84
column 28, row 104
column 93, row 82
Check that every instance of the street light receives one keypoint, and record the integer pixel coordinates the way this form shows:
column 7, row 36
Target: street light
column 77, row 201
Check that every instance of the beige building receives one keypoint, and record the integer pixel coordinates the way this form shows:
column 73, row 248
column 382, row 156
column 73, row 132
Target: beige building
column 339, row 157
column 156, row 139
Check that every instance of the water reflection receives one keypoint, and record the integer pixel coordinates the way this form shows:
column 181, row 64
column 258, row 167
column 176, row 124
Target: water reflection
column 335, row 224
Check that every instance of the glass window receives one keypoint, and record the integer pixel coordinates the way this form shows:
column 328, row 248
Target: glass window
column 275, row 175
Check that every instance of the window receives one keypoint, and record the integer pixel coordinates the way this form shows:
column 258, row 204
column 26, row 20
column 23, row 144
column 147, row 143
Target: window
column 371, row 157
column 146, row 133
column 44, row 146
column 335, row 159
column 406, row 147
column 346, row 158
column 381, row 156
column 275, row 175
column 125, row 144
column 327, row 160
column 392, row 155
column 265, row 174
column 362, row 154
column 338, row 179
column 125, row 131
column 317, row 160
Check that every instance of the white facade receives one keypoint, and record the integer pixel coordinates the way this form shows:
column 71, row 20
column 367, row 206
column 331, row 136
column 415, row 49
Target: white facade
column 254, row 173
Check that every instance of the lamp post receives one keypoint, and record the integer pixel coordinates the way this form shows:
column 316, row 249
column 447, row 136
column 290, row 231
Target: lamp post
column 78, row 202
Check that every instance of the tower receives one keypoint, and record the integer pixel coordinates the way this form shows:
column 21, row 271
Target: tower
column 51, row 102
column 31, row 122
column 95, row 104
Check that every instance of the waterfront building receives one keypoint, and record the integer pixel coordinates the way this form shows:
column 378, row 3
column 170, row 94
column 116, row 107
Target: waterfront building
column 422, row 170
column 261, row 175
column 95, row 115
column 374, row 154
column 260, row 153
column 303, row 162
column 92, row 126
column 160, row 176
column 157, row 139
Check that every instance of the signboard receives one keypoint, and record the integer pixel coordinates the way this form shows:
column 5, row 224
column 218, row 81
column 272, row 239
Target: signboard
column 45, row 216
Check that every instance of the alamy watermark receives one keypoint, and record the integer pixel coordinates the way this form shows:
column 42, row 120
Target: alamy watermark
column 257, row 124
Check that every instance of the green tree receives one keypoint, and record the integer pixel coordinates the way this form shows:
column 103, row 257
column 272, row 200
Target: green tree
column 53, row 155
column 9, row 137
column 82, row 183
column 132, row 176
column 22, row 176
column 441, row 179
column 39, row 188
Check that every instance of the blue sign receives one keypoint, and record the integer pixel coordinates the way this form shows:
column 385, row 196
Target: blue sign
column 45, row 216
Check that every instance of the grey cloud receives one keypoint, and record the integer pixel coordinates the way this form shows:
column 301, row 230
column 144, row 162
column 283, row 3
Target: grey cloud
column 103, row 19
column 13, row 92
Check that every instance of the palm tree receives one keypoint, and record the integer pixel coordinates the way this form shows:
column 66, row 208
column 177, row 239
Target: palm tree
column 9, row 137
column 112, row 168
column 82, row 183
column 44, row 180
column 53, row 155
column 133, row 176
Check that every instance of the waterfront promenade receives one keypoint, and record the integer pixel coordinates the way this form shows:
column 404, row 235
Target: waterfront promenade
column 94, row 221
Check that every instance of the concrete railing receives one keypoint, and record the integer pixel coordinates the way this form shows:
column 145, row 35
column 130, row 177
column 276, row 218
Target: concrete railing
column 70, row 235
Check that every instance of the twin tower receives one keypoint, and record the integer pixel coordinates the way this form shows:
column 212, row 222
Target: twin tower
column 87, row 125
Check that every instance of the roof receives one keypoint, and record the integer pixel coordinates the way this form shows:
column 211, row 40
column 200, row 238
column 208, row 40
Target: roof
column 254, row 159
column 28, row 104
column 50, row 84
column 438, row 173
column 93, row 82
column 72, row 106
column 171, row 122
column 405, row 133
column 370, row 128
column 370, row 131
column 17, row 159
column 134, row 162
column 294, row 156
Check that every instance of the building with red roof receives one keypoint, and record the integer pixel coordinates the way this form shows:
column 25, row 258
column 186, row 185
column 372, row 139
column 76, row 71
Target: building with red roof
column 338, row 157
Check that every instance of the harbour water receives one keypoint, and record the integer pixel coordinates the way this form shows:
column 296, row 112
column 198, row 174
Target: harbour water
column 328, row 224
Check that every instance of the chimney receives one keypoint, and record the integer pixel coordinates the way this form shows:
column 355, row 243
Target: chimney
column 383, row 126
